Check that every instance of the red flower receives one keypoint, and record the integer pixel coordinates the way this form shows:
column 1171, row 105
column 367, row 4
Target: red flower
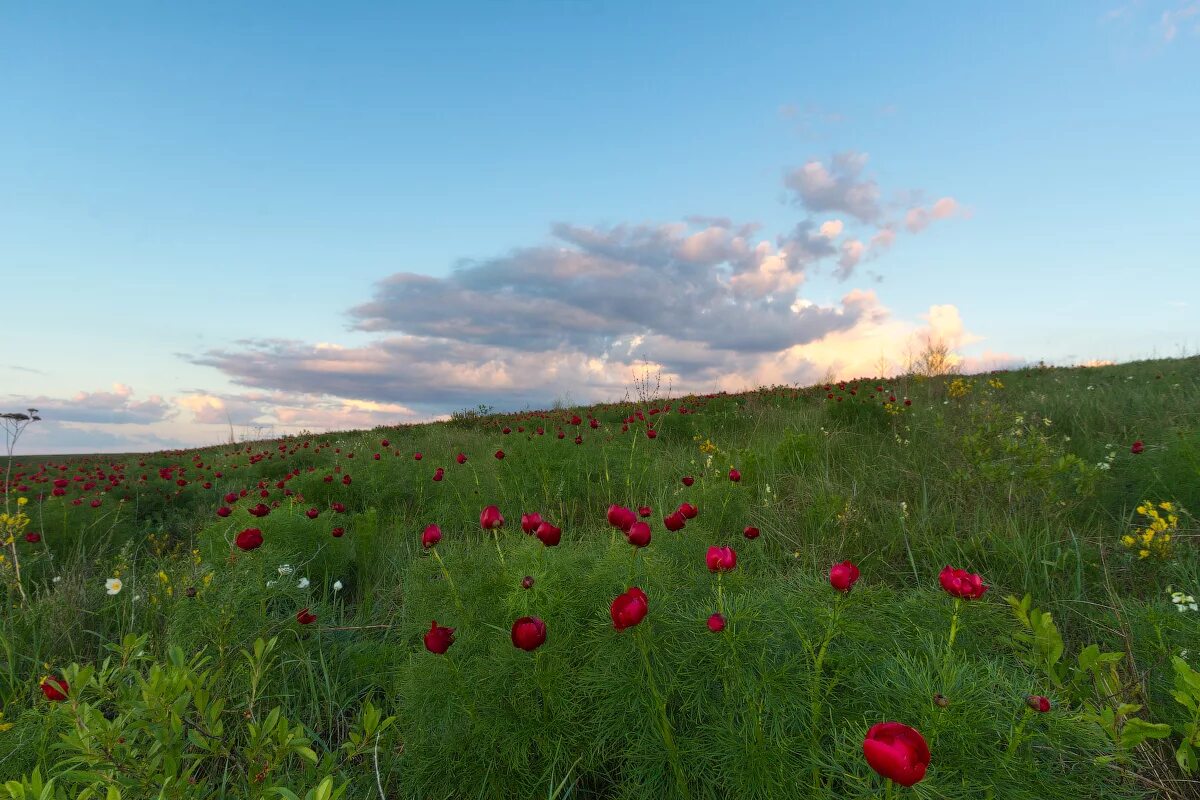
column 674, row 522
column 720, row 559
column 549, row 534
column 621, row 517
column 644, row 511
column 338, row 507
column 417, row 456
column 499, row 455
column 312, row 513
column 1038, row 703
column 734, row 475
column 337, row 533
column 431, row 536
column 1137, row 448
column 527, row 582
column 304, row 617
column 575, row 420
column 897, row 752
column 629, row 609
column 260, row 510
column 528, row 633
column 651, row 433
column 963, row 584
column 461, row 458
column 54, row 688
column 716, row 623
column 438, row 474
column 688, row 510
column 750, row 532
column 595, row 423
column 490, row 519
column 843, row 576
column 506, row 430
column 345, row 480
column 438, row 639
column 249, row 539
column 638, row 534
column 385, row 443
column 33, row 537
column 530, row 522
column 224, row 511
column 688, row 480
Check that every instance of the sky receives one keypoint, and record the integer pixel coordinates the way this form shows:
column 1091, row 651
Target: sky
column 310, row 216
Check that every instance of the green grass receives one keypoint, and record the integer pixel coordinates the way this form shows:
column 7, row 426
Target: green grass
column 1005, row 481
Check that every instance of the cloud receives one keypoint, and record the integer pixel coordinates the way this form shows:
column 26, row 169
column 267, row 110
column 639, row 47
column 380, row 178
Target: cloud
column 117, row 407
column 837, row 186
column 918, row 218
column 709, row 300
column 1172, row 18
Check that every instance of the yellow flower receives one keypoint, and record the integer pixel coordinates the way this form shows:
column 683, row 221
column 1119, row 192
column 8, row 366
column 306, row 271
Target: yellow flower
column 22, row 501
column 1143, row 553
column 1127, row 540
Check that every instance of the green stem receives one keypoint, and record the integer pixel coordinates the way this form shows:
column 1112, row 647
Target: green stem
column 450, row 581
column 664, row 723
column 815, row 686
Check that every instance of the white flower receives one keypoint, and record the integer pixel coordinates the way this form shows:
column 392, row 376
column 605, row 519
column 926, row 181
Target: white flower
column 337, row 586
column 113, row 585
column 302, row 583
column 285, row 569
column 137, row 597
column 271, row 583
column 58, row 578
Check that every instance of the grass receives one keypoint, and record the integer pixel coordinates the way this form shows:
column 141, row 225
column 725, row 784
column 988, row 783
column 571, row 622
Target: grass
column 1024, row 477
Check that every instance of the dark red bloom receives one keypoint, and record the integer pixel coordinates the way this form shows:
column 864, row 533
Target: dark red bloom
column 231, row 497
column 1137, row 447
column 438, row 474
column 461, row 458
column 960, row 583
column 897, row 752
column 340, row 508
column 345, row 480
column 528, row 633
column 843, row 576
column 674, row 522
column 720, row 559
column 527, row 582
column 644, row 511
column 548, row 534
column 33, row 537
column 1038, row 703
column 54, row 688
column 750, row 532
column 716, row 623
column 638, row 534
column 621, row 517
column 312, row 513
column 688, row 510
column 499, row 455
column 629, row 609
column 734, row 475
column 249, row 539
column 688, row 480
column 417, row 456
column 260, row 510
column 337, row 533
column 651, row 433
column 224, row 511
column 490, row 519
column 431, row 536
column 530, row 522
column 304, row 617
column 438, row 639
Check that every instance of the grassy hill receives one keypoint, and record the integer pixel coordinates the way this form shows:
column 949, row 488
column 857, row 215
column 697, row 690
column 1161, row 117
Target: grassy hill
column 204, row 676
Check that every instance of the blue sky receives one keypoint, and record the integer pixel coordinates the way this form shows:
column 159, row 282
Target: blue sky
column 196, row 197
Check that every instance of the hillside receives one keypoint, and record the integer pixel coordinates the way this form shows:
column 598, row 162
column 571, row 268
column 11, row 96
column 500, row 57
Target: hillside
column 749, row 675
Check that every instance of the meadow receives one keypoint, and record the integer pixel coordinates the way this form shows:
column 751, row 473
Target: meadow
column 724, row 596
